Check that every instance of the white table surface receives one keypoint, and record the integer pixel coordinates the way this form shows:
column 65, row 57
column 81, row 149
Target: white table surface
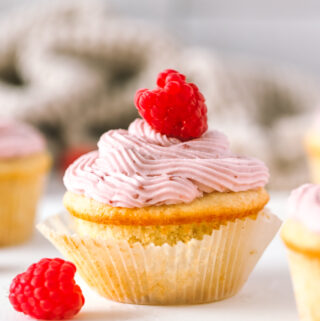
column 267, row 294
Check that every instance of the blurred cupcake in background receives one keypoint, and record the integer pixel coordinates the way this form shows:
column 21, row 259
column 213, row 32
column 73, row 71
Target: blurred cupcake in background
column 301, row 235
column 24, row 163
column 164, row 212
column 312, row 143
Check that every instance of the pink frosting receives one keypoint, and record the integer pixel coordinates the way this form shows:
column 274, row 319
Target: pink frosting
column 304, row 206
column 140, row 167
column 17, row 139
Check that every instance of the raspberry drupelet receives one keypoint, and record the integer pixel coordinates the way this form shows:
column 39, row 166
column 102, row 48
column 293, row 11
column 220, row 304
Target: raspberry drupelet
column 175, row 108
column 47, row 290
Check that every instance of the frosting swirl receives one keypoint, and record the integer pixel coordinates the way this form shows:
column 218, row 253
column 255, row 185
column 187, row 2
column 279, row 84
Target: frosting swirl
column 18, row 139
column 140, row 167
column 304, row 206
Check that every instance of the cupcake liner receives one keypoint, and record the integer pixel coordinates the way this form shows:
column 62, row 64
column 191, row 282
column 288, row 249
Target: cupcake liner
column 198, row 271
column 18, row 201
column 305, row 273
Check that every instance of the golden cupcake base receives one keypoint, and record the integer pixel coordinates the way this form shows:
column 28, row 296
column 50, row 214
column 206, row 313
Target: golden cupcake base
column 210, row 207
column 21, row 185
column 304, row 260
column 197, row 271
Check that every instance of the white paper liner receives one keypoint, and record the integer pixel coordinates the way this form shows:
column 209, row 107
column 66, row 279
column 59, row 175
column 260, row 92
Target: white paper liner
column 305, row 273
column 18, row 204
column 198, row 271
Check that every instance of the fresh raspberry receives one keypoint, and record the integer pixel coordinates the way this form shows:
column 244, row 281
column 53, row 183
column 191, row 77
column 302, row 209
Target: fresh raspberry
column 175, row 108
column 47, row 290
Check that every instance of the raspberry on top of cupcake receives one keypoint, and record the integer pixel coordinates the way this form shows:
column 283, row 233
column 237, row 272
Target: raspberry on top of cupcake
column 175, row 108
column 19, row 139
column 168, row 157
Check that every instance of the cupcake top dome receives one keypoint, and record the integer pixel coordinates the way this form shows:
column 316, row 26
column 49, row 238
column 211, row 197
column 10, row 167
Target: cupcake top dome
column 304, row 206
column 168, row 157
column 18, row 139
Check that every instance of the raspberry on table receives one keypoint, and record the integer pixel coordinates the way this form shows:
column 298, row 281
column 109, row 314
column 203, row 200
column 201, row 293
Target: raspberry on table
column 175, row 108
column 47, row 290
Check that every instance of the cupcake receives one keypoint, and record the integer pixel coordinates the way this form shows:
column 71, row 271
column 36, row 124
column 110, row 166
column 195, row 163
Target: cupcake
column 164, row 212
column 312, row 145
column 301, row 235
column 24, row 163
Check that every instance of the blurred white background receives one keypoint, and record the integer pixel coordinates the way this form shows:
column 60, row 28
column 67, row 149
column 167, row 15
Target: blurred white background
column 285, row 31
column 256, row 62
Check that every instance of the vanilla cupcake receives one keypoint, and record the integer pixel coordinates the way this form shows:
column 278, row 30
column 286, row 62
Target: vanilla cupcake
column 24, row 163
column 165, row 219
column 312, row 145
column 301, row 235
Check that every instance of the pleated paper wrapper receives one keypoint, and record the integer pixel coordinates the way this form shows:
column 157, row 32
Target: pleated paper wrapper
column 18, row 202
column 305, row 273
column 198, row 271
